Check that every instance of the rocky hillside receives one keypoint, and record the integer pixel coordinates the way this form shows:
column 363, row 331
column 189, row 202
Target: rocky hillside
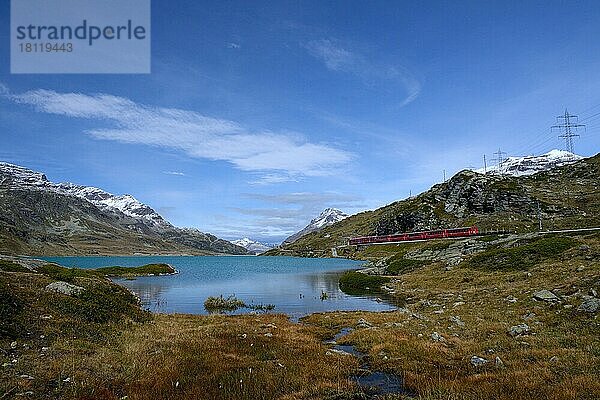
column 568, row 197
column 328, row 217
column 39, row 217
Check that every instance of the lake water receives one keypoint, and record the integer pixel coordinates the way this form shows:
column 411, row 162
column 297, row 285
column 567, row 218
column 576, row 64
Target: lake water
column 294, row 285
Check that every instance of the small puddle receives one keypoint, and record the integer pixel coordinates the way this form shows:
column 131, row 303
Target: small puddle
column 372, row 383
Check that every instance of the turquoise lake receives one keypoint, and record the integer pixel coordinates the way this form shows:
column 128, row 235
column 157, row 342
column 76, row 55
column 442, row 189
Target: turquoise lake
column 293, row 285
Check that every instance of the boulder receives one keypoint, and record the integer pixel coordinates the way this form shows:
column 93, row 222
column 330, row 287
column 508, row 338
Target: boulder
column 64, row 288
column 590, row 305
column 477, row 361
column 363, row 323
column 546, row 295
column 518, row 330
column 436, row 337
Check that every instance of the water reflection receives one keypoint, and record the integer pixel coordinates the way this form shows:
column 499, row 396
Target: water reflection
column 293, row 285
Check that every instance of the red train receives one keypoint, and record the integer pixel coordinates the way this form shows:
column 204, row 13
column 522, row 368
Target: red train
column 425, row 235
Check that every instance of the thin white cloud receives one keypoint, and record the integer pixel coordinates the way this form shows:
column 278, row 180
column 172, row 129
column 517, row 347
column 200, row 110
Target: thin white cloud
column 232, row 45
column 3, row 89
column 176, row 173
column 197, row 135
column 340, row 59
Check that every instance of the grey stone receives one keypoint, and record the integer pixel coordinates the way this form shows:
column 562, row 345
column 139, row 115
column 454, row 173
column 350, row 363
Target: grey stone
column 478, row 361
column 518, row 330
column 436, row 337
column 64, row 288
column 456, row 320
column 499, row 362
column 363, row 323
column 590, row 305
column 546, row 295
column 337, row 351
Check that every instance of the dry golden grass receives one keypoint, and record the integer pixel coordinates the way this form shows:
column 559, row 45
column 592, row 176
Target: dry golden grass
column 102, row 347
column 401, row 342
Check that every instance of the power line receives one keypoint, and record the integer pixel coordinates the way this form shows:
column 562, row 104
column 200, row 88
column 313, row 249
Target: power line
column 499, row 159
column 567, row 128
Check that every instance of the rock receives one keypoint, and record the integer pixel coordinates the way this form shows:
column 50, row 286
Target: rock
column 478, row 361
column 437, row 337
column 593, row 293
column 64, row 288
column 270, row 326
column 580, row 268
column 27, row 377
column 458, row 303
column 45, row 349
column 546, row 295
column 584, row 247
column 590, row 305
column 363, row 323
column 456, row 320
column 13, row 345
column 568, row 306
column 331, row 352
column 268, row 334
column 518, row 330
column 529, row 316
column 498, row 361
column 511, row 299
column 554, row 359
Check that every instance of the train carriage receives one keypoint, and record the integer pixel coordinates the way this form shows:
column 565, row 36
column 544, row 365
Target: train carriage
column 410, row 236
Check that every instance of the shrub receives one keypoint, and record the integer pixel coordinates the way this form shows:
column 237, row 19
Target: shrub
column 353, row 282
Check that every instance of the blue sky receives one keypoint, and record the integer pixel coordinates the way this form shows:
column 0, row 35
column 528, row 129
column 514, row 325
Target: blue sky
column 257, row 115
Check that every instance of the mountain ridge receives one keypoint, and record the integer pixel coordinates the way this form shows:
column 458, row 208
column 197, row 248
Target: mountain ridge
column 564, row 196
column 42, row 217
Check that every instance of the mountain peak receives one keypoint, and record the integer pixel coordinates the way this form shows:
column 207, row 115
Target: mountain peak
column 328, row 216
column 252, row 246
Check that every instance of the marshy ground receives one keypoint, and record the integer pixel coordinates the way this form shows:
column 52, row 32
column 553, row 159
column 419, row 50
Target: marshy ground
column 483, row 329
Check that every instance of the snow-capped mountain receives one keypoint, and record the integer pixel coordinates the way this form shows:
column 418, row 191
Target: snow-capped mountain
column 126, row 204
column 529, row 165
column 252, row 245
column 39, row 215
column 329, row 216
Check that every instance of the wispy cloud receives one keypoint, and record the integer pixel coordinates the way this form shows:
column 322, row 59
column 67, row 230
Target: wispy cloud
column 3, row 89
column 287, row 213
column 176, row 173
column 195, row 134
column 232, row 45
column 340, row 59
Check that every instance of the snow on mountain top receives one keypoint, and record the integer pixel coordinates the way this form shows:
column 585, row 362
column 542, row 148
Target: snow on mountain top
column 529, row 165
column 329, row 216
column 252, row 245
column 126, row 204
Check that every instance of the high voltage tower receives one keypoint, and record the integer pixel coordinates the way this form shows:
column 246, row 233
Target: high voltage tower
column 499, row 159
column 566, row 128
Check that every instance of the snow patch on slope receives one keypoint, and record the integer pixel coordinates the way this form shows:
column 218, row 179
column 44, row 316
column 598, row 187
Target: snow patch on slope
column 529, row 165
